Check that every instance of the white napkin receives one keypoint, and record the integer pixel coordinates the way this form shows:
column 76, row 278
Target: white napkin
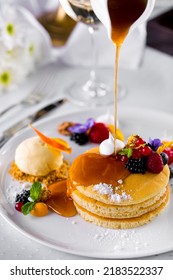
column 78, row 48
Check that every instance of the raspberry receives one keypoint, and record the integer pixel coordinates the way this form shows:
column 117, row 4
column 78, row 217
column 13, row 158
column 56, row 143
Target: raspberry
column 169, row 152
column 136, row 165
column 98, row 133
column 79, row 138
column 154, row 163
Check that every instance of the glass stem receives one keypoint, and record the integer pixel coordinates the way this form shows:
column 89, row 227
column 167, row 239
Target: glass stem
column 94, row 55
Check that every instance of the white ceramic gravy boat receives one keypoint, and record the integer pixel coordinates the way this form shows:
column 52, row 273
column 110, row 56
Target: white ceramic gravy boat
column 100, row 8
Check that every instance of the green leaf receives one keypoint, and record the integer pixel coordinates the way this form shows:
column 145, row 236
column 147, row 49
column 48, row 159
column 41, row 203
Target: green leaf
column 27, row 207
column 126, row 152
column 35, row 191
column 129, row 152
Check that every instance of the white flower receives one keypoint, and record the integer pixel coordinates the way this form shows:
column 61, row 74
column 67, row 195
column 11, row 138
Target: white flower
column 12, row 31
column 21, row 46
column 10, row 75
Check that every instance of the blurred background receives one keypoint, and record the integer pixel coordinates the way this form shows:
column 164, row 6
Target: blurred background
column 54, row 36
column 70, row 40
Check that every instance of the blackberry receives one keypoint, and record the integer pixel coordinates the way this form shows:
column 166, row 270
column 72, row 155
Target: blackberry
column 136, row 165
column 23, row 196
column 79, row 138
column 165, row 158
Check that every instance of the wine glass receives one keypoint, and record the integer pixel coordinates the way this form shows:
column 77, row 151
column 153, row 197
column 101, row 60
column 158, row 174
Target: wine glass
column 91, row 92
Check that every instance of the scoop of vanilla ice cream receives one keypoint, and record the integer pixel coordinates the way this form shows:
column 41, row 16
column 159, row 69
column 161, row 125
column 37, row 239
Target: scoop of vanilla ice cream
column 34, row 157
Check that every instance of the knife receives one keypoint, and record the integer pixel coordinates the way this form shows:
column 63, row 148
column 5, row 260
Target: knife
column 7, row 134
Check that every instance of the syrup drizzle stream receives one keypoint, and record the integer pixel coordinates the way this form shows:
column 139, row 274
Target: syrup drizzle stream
column 116, row 93
column 123, row 13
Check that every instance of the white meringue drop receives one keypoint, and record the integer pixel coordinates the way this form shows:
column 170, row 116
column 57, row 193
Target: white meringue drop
column 106, row 148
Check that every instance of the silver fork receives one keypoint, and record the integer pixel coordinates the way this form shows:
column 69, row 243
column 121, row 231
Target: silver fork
column 41, row 90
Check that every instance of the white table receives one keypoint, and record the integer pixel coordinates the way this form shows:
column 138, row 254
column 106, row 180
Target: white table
column 148, row 87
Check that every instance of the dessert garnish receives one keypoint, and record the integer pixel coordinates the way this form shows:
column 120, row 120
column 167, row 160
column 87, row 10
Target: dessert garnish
column 55, row 143
column 106, row 148
column 32, row 201
column 141, row 156
column 39, row 199
column 63, row 128
column 90, row 131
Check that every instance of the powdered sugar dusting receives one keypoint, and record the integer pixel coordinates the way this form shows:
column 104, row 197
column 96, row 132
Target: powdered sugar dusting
column 116, row 197
column 13, row 190
column 121, row 240
column 103, row 188
column 111, row 193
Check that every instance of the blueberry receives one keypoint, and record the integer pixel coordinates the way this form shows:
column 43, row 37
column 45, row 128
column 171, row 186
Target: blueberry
column 171, row 173
column 165, row 158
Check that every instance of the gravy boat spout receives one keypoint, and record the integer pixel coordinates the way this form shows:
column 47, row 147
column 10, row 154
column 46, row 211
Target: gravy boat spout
column 100, row 8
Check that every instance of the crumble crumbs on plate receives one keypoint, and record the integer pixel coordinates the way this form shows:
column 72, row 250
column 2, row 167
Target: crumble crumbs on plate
column 52, row 177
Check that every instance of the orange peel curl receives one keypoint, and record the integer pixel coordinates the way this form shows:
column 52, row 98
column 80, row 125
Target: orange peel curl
column 55, row 143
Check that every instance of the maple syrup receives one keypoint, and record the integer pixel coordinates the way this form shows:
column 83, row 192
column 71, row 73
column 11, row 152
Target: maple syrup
column 123, row 13
column 59, row 202
column 91, row 169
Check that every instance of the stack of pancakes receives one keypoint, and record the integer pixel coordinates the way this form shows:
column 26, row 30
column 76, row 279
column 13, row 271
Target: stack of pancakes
column 146, row 195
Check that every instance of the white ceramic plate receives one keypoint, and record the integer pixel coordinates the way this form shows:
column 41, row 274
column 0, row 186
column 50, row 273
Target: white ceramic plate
column 74, row 235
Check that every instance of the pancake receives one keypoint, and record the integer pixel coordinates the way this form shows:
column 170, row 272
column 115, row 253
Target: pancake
column 139, row 186
column 104, row 192
column 118, row 211
column 122, row 223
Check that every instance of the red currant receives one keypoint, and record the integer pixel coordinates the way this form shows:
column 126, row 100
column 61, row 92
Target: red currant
column 137, row 153
column 124, row 158
column 121, row 158
column 98, row 133
column 146, row 151
column 18, row 206
column 139, row 141
column 118, row 157
column 169, row 153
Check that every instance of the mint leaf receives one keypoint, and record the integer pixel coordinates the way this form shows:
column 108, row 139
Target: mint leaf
column 126, row 152
column 129, row 152
column 27, row 207
column 35, row 191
